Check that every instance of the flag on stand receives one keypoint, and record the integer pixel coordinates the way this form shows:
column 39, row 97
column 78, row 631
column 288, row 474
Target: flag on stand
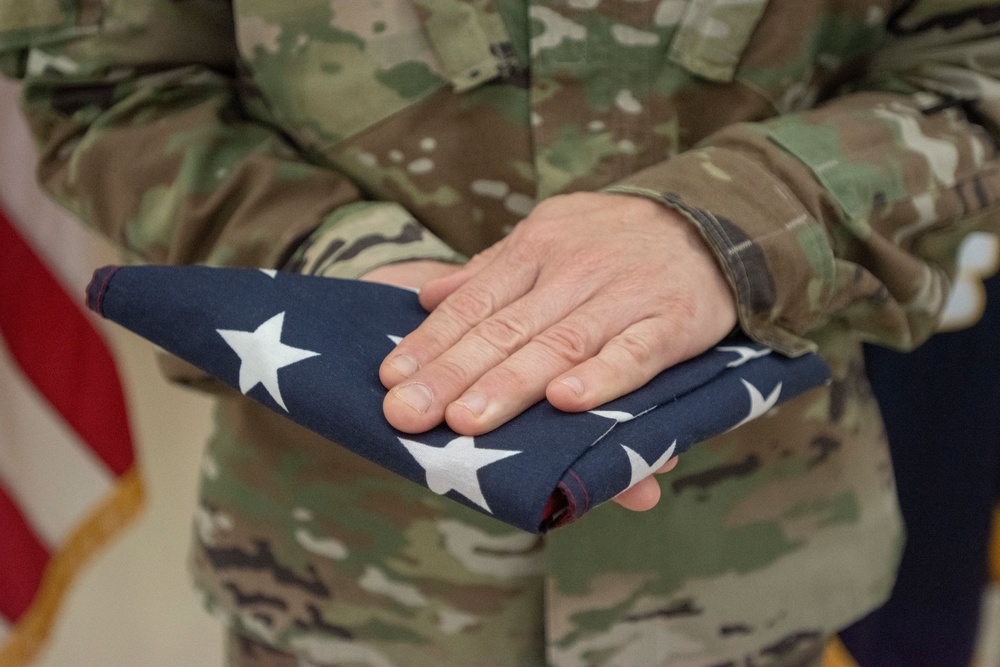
column 309, row 347
column 48, row 527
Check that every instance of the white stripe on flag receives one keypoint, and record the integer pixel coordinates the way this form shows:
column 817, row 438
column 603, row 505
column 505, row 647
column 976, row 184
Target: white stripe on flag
column 52, row 476
column 43, row 465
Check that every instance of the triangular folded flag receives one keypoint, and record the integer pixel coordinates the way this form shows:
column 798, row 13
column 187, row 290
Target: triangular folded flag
column 309, row 348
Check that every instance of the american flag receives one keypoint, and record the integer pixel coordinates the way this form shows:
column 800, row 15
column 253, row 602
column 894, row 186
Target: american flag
column 49, row 529
column 309, row 347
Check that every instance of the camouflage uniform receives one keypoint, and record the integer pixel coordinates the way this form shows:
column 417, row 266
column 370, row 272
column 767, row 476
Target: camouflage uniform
column 832, row 153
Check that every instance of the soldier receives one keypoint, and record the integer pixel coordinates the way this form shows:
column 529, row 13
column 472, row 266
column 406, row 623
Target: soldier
column 637, row 177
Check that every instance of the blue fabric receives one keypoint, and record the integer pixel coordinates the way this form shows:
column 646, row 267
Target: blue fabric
column 323, row 339
column 941, row 406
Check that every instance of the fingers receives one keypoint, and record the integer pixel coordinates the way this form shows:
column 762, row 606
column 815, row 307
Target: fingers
column 641, row 497
column 668, row 466
column 588, row 299
column 497, row 370
column 452, row 318
column 628, row 361
column 501, row 392
column 532, row 349
column 645, row 494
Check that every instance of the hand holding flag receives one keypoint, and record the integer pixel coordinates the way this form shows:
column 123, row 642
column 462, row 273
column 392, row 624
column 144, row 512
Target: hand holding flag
column 309, row 347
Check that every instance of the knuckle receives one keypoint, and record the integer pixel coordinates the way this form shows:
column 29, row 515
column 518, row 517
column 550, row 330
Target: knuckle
column 469, row 305
column 638, row 348
column 502, row 331
column 567, row 342
column 683, row 307
column 509, row 381
column 677, row 315
column 451, row 375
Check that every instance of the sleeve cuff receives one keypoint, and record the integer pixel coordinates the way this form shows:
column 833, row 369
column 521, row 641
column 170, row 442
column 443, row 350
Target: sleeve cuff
column 770, row 248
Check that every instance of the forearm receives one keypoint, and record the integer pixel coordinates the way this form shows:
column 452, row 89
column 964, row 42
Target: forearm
column 849, row 214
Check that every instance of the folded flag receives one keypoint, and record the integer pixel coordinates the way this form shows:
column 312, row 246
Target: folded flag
column 309, row 348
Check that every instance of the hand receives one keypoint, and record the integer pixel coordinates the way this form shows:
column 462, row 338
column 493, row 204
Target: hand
column 643, row 496
column 589, row 297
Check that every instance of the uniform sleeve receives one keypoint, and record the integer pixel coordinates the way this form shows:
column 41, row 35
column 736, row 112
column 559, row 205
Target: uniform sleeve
column 148, row 133
column 849, row 215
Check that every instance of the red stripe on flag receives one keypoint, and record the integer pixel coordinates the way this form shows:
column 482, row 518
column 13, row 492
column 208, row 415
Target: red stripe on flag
column 24, row 558
column 60, row 351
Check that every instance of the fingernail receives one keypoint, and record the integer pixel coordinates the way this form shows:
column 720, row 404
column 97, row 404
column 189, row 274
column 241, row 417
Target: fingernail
column 417, row 396
column 473, row 401
column 574, row 384
column 404, row 364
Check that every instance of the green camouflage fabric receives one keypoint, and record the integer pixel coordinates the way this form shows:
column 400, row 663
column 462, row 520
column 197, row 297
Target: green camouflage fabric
column 834, row 154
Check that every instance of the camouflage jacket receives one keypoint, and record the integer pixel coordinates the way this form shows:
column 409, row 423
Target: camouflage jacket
column 832, row 153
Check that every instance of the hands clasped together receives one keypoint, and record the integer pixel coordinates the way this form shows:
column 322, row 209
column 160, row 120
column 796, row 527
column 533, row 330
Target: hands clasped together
column 588, row 298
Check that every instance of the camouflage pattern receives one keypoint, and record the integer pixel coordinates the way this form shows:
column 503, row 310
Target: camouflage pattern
column 367, row 569
column 834, row 154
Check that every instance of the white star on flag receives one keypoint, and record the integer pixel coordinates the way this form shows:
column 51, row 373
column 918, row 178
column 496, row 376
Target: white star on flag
column 758, row 404
column 746, row 354
column 641, row 469
column 454, row 467
column 262, row 353
column 617, row 415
